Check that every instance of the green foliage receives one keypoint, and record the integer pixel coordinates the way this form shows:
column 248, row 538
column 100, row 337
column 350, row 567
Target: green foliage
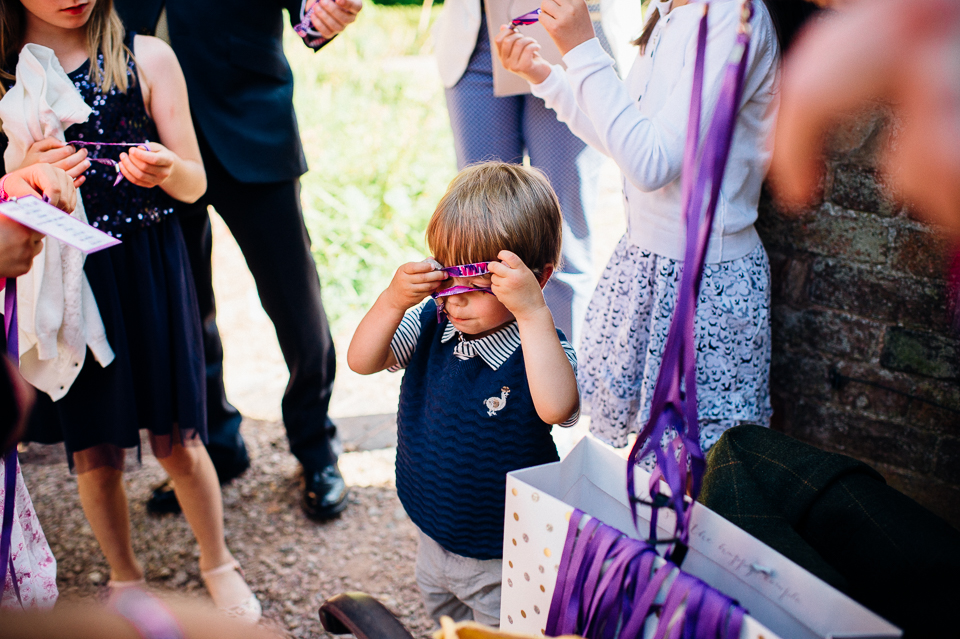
column 377, row 138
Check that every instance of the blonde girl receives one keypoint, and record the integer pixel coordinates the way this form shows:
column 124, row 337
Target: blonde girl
column 141, row 118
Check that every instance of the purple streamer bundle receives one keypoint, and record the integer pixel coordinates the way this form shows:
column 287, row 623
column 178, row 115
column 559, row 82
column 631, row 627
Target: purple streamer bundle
column 674, row 403
column 608, row 588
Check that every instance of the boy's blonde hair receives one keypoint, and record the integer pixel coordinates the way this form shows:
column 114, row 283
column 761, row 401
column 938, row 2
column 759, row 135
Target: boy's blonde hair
column 494, row 206
column 104, row 32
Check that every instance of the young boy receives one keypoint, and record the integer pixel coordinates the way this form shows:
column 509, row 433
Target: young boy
column 487, row 373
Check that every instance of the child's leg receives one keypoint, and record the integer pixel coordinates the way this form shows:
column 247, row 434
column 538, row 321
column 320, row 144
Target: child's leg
column 477, row 584
column 437, row 598
column 104, row 502
column 198, row 491
column 458, row 587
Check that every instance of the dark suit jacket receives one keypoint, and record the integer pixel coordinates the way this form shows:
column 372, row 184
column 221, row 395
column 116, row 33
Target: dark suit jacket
column 240, row 85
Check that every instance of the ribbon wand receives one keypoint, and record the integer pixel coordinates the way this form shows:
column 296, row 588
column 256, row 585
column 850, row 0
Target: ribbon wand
column 108, row 161
column 530, row 17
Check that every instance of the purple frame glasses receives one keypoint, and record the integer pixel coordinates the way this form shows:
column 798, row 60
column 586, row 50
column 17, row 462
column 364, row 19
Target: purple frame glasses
column 475, row 269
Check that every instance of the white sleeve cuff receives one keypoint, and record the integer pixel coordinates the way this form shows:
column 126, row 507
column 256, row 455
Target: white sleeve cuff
column 586, row 54
column 550, row 88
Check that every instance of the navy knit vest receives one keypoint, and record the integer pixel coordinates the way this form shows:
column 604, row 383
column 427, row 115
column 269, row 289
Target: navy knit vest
column 452, row 455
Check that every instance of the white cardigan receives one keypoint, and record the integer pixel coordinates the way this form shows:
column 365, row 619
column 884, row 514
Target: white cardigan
column 642, row 123
column 57, row 313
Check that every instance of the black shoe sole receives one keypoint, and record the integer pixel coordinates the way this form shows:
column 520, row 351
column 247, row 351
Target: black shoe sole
column 163, row 501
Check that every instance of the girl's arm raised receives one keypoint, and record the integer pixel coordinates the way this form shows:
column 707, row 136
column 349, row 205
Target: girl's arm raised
column 649, row 149
column 174, row 162
column 520, row 54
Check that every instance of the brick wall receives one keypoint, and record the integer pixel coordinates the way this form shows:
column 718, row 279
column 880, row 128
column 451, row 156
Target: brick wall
column 864, row 360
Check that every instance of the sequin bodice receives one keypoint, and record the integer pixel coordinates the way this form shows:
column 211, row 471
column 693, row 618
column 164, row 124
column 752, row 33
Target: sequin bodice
column 116, row 117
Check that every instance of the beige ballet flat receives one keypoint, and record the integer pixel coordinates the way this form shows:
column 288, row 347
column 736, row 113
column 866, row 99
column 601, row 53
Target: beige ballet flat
column 133, row 583
column 114, row 588
column 248, row 610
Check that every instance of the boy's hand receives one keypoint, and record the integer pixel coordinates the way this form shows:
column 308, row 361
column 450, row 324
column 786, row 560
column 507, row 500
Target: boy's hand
column 148, row 168
column 515, row 285
column 411, row 283
column 567, row 21
column 520, row 54
column 61, row 155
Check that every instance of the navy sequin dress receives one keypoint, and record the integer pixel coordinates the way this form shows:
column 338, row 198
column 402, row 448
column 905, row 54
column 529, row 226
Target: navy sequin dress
column 145, row 294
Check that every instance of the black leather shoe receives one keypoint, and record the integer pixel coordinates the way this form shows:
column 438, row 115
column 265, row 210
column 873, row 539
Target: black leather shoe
column 324, row 492
column 163, row 501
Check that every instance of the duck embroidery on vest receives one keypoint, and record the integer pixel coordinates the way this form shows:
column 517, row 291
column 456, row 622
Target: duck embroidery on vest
column 495, row 404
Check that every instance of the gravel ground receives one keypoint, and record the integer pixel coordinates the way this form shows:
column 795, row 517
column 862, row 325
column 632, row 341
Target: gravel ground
column 292, row 563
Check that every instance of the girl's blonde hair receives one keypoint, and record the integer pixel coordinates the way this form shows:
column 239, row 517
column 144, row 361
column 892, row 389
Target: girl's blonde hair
column 494, row 206
column 104, row 35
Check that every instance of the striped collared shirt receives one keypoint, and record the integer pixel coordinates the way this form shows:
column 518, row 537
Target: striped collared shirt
column 493, row 349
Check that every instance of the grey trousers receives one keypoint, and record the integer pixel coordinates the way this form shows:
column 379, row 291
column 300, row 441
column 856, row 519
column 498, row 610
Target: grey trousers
column 458, row 587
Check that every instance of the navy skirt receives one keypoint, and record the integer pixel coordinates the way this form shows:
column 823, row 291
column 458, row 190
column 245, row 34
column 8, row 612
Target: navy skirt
column 144, row 290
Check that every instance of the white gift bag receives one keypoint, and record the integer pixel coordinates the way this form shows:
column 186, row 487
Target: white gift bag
column 782, row 598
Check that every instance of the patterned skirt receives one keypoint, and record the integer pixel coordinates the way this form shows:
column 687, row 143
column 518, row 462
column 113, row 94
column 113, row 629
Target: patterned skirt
column 626, row 329
column 34, row 568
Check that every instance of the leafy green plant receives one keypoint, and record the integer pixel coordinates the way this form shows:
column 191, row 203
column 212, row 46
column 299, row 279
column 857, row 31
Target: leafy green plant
column 377, row 138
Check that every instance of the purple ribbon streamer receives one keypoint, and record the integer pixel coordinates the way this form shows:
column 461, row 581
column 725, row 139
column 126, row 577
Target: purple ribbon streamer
column 10, row 458
column 671, row 407
column 10, row 319
column 10, row 489
column 108, row 161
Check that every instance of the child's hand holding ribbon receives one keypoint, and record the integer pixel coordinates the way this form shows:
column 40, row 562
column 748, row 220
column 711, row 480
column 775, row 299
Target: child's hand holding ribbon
column 567, row 21
column 516, row 286
column 412, row 283
column 520, row 54
column 148, row 166
column 327, row 18
column 61, row 155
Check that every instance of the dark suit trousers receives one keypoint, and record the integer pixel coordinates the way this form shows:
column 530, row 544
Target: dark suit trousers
column 267, row 222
